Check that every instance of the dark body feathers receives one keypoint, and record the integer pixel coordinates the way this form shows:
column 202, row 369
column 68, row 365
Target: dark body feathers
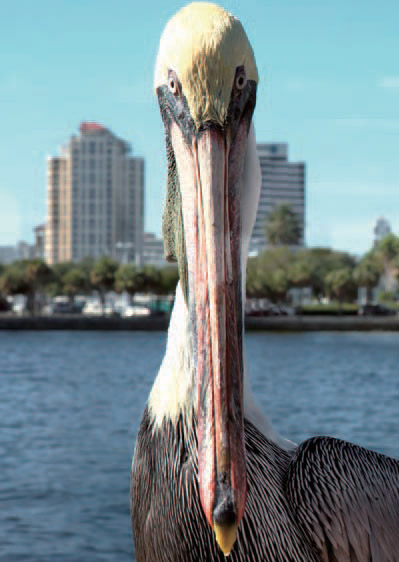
column 327, row 501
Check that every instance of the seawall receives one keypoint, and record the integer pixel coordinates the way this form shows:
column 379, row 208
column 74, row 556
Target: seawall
column 160, row 323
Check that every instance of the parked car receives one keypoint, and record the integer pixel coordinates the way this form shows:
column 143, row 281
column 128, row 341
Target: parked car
column 263, row 307
column 94, row 308
column 376, row 310
column 286, row 310
column 63, row 305
column 135, row 310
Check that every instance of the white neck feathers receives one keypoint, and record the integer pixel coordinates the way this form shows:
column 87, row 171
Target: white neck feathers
column 174, row 389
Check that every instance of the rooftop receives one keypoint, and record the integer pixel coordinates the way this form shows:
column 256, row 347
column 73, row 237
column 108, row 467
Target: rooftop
column 91, row 127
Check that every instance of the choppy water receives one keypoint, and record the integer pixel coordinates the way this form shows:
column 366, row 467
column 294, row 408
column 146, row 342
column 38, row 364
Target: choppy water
column 71, row 402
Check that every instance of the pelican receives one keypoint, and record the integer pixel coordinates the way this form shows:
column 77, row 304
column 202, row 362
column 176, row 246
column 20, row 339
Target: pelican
column 210, row 476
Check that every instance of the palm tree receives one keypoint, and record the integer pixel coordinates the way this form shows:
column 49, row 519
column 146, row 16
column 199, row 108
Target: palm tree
column 388, row 251
column 128, row 278
column 38, row 275
column 366, row 274
column 340, row 284
column 268, row 274
column 28, row 277
column 282, row 226
column 75, row 281
column 13, row 281
column 102, row 277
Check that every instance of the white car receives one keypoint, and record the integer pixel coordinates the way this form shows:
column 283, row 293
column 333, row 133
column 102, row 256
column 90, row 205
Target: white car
column 135, row 310
column 92, row 308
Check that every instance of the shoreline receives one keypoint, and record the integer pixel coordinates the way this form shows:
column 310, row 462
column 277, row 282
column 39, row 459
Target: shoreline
column 161, row 323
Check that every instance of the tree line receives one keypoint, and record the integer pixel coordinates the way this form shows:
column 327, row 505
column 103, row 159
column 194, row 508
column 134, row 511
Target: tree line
column 329, row 273
column 37, row 280
column 270, row 275
column 281, row 267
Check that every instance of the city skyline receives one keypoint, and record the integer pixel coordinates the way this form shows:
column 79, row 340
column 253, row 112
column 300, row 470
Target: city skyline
column 329, row 87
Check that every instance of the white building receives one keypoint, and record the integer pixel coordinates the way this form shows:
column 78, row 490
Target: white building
column 8, row 254
column 282, row 182
column 21, row 251
column 95, row 198
column 153, row 251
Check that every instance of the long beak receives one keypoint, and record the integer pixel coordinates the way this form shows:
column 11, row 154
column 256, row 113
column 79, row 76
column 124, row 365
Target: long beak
column 211, row 217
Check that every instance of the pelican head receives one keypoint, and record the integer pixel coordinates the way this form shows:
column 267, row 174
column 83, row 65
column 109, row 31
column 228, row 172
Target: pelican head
column 206, row 81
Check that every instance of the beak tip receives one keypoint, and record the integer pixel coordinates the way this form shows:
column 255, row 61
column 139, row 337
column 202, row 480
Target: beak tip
column 225, row 537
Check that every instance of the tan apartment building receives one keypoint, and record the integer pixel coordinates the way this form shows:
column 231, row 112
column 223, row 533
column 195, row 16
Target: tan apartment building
column 95, row 198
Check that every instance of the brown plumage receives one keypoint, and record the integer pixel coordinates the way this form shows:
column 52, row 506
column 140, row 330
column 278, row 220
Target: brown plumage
column 327, row 501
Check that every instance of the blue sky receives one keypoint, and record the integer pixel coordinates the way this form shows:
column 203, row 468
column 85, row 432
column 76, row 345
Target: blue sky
column 329, row 87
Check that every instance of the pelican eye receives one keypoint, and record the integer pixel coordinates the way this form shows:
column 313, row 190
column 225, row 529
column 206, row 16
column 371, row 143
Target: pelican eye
column 173, row 82
column 241, row 81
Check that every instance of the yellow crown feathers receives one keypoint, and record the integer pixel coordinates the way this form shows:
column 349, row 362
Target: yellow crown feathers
column 204, row 44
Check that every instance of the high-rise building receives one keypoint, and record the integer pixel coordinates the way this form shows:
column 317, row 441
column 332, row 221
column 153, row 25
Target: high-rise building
column 282, row 182
column 95, row 198
column 38, row 246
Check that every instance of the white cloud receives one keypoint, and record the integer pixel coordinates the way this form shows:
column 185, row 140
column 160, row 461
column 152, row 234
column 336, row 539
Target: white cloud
column 389, row 82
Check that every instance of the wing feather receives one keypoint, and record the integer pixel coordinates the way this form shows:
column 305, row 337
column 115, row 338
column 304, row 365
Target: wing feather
column 346, row 499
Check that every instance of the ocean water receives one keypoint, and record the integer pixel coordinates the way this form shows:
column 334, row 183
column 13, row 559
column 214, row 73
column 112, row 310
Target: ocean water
column 71, row 403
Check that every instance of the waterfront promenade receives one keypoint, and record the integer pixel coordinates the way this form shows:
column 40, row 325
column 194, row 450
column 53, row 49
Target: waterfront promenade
column 160, row 323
